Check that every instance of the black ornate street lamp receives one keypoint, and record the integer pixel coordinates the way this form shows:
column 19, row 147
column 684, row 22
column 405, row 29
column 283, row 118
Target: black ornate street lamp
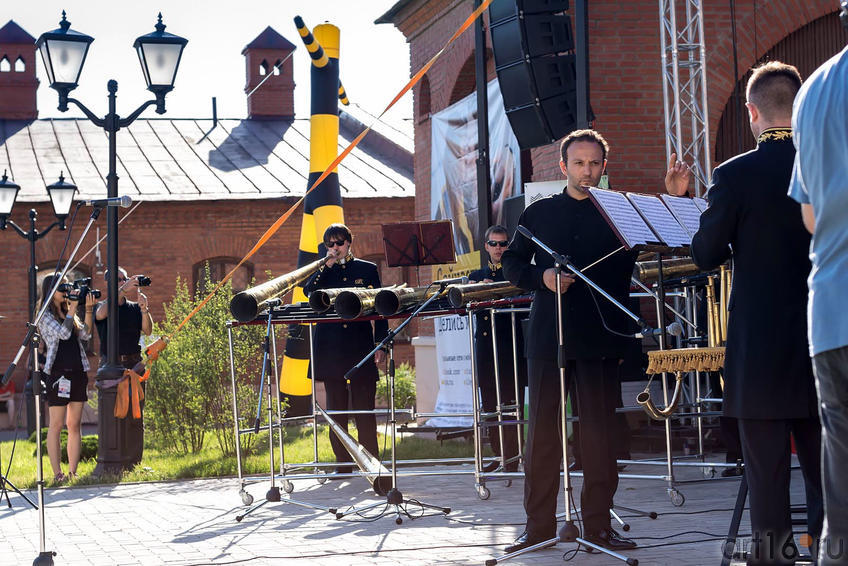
column 64, row 52
column 62, row 197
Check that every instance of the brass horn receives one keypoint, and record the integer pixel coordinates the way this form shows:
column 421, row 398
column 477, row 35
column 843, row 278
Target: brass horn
column 644, row 399
column 322, row 300
column 353, row 303
column 371, row 467
column 459, row 295
column 393, row 300
column 245, row 306
column 648, row 271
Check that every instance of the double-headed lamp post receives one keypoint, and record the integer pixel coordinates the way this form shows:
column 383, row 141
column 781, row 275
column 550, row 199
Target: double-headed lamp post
column 63, row 52
column 62, row 197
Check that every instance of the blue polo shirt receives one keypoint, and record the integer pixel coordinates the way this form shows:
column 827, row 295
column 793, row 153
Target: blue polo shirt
column 820, row 178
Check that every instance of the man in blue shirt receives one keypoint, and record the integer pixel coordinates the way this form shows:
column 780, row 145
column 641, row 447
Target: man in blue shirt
column 820, row 184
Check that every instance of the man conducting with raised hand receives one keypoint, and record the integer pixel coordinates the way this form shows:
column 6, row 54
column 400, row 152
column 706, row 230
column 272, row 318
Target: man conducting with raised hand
column 767, row 372
column 570, row 224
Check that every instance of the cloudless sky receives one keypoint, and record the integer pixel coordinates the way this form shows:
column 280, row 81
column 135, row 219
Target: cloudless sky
column 374, row 60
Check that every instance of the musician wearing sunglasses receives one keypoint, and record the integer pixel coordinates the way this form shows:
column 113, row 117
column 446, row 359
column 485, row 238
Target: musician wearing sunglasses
column 337, row 347
column 497, row 239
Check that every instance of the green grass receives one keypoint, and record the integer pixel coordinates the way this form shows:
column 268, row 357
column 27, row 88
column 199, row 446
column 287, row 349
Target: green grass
column 159, row 464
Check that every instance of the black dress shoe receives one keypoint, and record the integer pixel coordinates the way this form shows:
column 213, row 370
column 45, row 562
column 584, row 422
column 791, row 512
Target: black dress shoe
column 524, row 540
column 731, row 472
column 610, row 539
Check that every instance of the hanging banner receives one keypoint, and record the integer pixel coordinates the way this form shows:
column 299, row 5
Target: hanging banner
column 453, row 363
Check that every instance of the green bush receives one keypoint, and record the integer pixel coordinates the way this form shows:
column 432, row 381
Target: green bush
column 88, row 449
column 404, row 387
column 189, row 392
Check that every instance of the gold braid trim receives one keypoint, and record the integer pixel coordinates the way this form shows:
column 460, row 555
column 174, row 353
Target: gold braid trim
column 777, row 134
column 685, row 359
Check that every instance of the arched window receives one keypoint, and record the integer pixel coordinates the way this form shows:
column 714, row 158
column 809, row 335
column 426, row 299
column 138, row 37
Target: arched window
column 424, row 99
column 263, row 68
column 218, row 269
column 20, row 65
column 5, row 66
column 277, row 66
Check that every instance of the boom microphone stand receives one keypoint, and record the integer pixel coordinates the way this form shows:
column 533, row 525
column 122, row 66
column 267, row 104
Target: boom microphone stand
column 45, row 557
column 569, row 531
column 394, row 497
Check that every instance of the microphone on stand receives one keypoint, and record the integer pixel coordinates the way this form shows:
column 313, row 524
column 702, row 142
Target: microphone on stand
column 673, row 329
column 124, row 202
column 453, row 281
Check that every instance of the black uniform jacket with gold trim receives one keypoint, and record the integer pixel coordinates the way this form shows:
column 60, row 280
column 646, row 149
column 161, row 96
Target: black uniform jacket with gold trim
column 767, row 370
column 339, row 346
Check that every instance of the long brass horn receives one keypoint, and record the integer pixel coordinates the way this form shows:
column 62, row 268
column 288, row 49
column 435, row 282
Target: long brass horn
column 459, row 295
column 648, row 271
column 245, row 306
column 393, row 300
column 644, row 399
column 371, row 467
column 322, row 300
column 353, row 303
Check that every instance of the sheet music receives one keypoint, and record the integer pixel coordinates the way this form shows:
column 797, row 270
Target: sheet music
column 701, row 203
column 661, row 220
column 625, row 220
column 686, row 212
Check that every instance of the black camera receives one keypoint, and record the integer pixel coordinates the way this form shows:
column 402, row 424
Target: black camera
column 81, row 288
column 143, row 280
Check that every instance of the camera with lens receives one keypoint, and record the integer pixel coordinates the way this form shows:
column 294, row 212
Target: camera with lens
column 82, row 289
column 143, row 280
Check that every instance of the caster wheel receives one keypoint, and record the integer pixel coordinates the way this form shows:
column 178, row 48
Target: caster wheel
column 288, row 486
column 626, row 527
column 677, row 498
column 323, row 479
column 246, row 498
column 398, row 521
column 508, row 483
column 483, row 492
column 709, row 473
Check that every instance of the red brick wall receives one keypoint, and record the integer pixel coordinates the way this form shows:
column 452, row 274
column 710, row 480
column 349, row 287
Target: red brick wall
column 17, row 89
column 163, row 240
column 276, row 97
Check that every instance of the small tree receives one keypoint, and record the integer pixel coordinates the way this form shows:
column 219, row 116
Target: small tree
column 190, row 390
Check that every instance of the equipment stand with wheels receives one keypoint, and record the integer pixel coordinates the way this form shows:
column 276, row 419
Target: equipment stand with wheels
column 273, row 493
column 394, row 497
column 569, row 531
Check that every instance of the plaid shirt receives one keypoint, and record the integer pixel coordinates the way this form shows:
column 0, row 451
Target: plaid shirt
column 52, row 331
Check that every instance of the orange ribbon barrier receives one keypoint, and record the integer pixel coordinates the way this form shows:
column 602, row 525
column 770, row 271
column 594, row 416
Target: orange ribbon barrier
column 282, row 219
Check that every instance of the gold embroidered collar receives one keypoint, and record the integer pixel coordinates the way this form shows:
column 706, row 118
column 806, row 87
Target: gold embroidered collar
column 347, row 258
column 494, row 266
column 776, row 134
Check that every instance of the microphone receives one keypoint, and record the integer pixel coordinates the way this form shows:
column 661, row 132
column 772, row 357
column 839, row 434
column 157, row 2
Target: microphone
column 673, row 329
column 124, row 202
column 453, row 281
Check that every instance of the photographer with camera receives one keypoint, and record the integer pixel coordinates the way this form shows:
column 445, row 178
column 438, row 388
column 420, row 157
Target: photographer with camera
column 65, row 368
column 133, row 319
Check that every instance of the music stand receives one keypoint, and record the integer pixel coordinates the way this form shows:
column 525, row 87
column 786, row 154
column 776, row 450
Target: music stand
column 419, row 243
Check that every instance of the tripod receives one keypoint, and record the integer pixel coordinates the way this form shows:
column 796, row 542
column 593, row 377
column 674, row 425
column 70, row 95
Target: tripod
column 273, row 493
column 45, row 557
column 394, row 497
column 4, row 481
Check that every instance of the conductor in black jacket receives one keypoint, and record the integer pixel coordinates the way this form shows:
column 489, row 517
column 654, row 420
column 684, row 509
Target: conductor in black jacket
column 497, row 238
column 768, row 377
column 571, row 225
column 339, row 346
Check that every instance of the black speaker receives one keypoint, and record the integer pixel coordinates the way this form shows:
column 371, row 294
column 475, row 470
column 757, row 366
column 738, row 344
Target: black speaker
column 533, row 47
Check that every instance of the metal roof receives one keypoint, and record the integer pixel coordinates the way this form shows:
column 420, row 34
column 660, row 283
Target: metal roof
column 188, row 159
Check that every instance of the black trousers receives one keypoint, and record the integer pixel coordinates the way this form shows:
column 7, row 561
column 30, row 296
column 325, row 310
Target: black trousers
column 596, row 382
column 621, row 435
column 767, row 454
column 358, row 395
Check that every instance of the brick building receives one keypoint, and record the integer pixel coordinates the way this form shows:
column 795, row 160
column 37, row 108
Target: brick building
column 205, row 190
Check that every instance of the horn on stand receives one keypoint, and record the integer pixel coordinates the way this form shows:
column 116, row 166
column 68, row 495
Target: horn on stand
column 371, row 467
column 644, row 399
column 393, row 300
column 353, row 303
column 459, row 295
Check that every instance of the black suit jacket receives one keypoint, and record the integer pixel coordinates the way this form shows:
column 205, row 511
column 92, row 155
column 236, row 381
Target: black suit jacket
column 767, row 370
column 339, row 346
column 574, row 228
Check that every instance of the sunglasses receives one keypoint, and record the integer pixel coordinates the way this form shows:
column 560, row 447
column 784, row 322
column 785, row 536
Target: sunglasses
column 495, row 244
column 338, row 243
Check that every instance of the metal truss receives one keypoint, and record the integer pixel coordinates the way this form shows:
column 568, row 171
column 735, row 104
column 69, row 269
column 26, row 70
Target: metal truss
column 683, row 58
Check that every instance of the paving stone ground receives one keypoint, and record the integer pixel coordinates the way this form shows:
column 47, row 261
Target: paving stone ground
column 193, row 523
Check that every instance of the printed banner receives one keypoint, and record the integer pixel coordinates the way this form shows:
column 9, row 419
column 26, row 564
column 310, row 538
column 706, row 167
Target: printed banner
column 453, row 351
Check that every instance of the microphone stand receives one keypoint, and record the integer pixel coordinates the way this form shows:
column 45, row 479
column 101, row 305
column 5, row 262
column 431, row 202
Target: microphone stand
column 569, row 531
column 31, row 340
column 394, row 497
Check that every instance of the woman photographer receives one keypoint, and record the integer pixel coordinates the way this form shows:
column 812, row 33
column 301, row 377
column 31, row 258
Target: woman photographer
column 65, row 369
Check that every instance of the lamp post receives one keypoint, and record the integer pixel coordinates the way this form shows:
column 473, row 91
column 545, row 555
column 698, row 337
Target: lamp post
column 63, row 52
column 62, row 197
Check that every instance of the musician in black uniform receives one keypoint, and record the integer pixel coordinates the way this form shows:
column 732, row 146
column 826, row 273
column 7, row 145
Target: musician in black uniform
column 497, row 239
column 570, row 224
column 338, row 347
column 767, row 372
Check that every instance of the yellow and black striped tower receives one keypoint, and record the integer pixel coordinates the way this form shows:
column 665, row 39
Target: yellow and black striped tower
column 323, row 206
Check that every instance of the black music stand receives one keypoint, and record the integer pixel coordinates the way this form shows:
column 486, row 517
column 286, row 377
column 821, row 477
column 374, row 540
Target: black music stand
column 419, row 243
